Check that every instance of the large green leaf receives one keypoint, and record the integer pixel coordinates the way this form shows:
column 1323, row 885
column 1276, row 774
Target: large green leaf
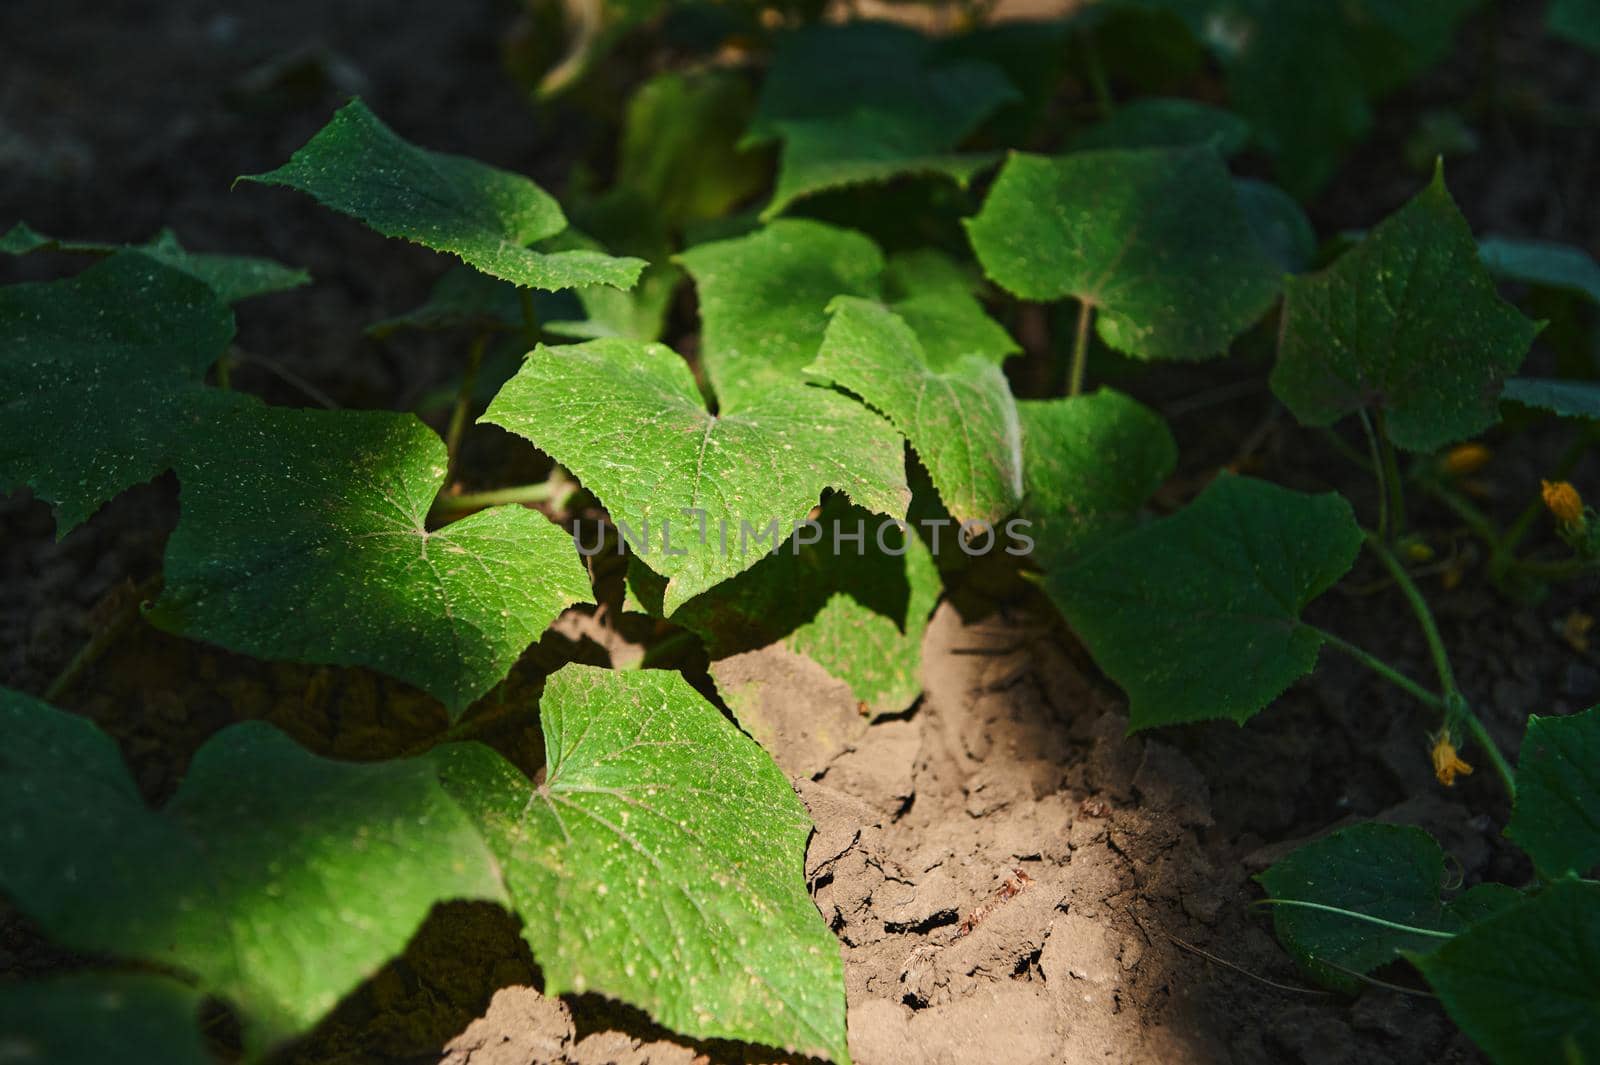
column 1153, row 239
column 231, row 277
column 1525, row 982
column 303, row 536
column 1088, row 464
column 1570, row 399
column 659, row 860
column 95, row 1018
column 935, row 297
column 1197, row 616
column 961, row 420
column 1391, row 872
column 699, row 490
column 1160, row 122
column 1557, row 815
column 764, row 300
column 1408, row 323
column 1304, row 72
column 858, row 608
column 865, row 102
column 487, row 217
column 1576, row 20
column 1541, row 262
column 101, row 378
column 679, row 146
column 277, row 879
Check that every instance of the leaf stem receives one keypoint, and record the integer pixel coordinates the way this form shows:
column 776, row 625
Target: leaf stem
column 547, row 491
column 458, row 414
column 1455, row 706
column 1080, row 348
column 224, row 366
column 108, row 633
column 1095, row 68
column 1367, row 917
column 1391, row 488
column 1383, row 669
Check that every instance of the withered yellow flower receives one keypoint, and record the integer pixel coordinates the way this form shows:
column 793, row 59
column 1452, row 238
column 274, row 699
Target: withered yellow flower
column 1466, row 458
column 1447, row 764
column 1563, row 501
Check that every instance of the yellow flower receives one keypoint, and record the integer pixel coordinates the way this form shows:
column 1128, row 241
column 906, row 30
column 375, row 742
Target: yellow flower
column 1563, row 501
column 1447, row 764
column 1466, row 458
column 1575, row 630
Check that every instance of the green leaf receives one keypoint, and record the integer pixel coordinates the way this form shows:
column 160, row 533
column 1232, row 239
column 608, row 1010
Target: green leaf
column 1525, row 983
column 1159, row 122
column 303, row 536
column 659, row 861
column 103, row 378
column 463, row 298
column 1482, row 901
column 764, row 302
column 962, row 420
column 680, row 146
column 1304, row 72
column 277, row 879
column 1577, row 21
column 487, row 217
column 231, row 277
column 1408, row 323
column 935, row 297
column 764, row 299
column 700, row 490
column 1152, row 238
column 869, row 101
column 1541, row 262
column 1557, row 814
column 639, row 313
column 1197, row 616
column 1391, row 872
column 1569, row 399
column 1088, row 464
column 94, row 1018
column 856, row 609
column 1278, row 222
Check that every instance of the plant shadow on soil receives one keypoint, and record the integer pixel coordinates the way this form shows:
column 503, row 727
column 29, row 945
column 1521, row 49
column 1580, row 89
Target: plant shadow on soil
column 1011, row 878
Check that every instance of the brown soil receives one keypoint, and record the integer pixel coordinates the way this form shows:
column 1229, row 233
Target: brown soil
column 1012, row 880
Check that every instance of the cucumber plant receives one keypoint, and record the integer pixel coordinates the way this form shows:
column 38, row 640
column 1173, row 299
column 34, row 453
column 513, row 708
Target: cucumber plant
column 764, row 495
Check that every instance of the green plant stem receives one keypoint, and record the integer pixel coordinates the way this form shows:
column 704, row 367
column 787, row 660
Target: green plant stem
column 1391, row 489
column 1455, row 706
column 1305, row 904
column 542, row 492
column 458, row 414
column 225, row 372
column 1080, row 348
column 1383, row 669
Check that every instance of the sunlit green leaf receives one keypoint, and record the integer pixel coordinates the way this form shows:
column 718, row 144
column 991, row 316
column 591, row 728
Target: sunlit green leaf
column 487, row 217
column 303, row 536
column 1153, row 239
column 102, row 376
column 865, row 102
column 660, row 861
column 1406, row 323
column 277, row 879
column 1197, row 616
column 706, row 494
column 1088, row 464
column 1557, row 815
column 961, row 419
